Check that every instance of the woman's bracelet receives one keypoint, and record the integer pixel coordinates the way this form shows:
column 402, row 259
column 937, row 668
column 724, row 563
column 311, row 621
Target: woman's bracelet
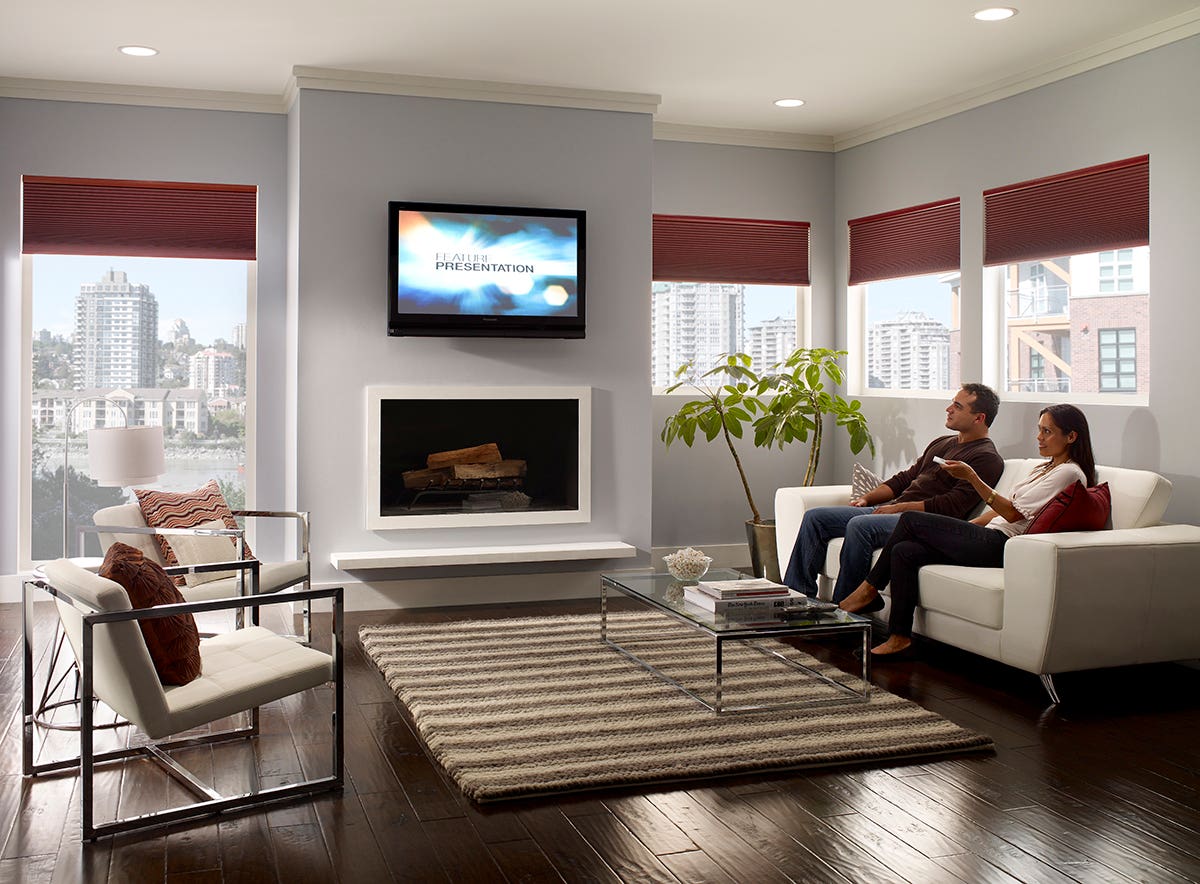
column 990, row 498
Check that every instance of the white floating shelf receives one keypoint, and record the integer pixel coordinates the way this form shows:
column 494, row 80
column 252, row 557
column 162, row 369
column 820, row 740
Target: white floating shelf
column 481, row 555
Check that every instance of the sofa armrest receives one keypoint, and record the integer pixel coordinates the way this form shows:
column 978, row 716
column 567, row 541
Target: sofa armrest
column 1090, row 599
column 790, row 506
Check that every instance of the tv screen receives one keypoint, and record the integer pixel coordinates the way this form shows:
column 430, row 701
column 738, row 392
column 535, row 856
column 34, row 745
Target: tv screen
column 485, row 270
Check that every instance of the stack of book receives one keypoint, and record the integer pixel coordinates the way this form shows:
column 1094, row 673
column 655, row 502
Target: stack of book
column 753, row 599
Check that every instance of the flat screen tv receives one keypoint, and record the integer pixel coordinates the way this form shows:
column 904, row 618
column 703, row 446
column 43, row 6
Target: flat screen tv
column 485, row 271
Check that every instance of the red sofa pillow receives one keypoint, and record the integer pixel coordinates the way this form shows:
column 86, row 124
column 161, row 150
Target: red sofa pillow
column 173, row 642
column 184, row 509
column 1074, row 509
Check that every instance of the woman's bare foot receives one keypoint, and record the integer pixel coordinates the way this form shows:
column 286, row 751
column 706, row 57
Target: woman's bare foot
column 894, row 645
column 862, row 599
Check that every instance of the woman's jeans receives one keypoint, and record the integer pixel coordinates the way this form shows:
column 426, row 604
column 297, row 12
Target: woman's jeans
column 928, row 539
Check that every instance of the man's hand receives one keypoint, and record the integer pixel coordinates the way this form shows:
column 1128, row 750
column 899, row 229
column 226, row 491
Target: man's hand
column 890, row 509
column 859, row 501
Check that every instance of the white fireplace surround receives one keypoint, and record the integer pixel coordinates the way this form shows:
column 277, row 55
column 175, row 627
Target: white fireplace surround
column 376, row 395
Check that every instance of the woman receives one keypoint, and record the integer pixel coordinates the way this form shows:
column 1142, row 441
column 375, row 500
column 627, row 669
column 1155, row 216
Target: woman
column 928, row 539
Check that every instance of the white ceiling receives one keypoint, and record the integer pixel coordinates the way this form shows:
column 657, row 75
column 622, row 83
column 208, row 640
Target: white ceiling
column 863, row 66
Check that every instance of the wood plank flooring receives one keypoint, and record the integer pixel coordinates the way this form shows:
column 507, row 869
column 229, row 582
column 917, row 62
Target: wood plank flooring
column 1104, row 788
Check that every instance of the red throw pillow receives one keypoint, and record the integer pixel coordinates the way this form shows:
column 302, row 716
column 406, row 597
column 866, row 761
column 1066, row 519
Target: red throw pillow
column 1074, row 509
column 184, row 509
column 173, row 642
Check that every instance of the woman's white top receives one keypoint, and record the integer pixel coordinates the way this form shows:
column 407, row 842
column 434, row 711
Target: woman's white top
column 1034, row 492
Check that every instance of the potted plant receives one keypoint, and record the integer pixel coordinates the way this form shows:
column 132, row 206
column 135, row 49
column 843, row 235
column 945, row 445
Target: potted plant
column 787, row 404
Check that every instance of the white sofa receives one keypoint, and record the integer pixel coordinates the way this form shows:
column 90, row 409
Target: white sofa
column 1062, row 602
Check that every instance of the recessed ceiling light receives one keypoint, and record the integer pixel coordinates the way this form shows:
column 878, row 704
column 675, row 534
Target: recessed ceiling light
column 140, row 51
column 789, row 102
column 995, row 13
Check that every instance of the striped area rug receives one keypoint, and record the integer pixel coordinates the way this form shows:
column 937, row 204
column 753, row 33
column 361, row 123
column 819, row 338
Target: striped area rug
column 520, row 707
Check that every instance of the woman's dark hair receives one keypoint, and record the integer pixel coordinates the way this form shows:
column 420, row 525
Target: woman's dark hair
column 1068, row 418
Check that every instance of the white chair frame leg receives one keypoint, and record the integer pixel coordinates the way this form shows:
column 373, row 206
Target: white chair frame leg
column 1048, row 684
column 211, row 802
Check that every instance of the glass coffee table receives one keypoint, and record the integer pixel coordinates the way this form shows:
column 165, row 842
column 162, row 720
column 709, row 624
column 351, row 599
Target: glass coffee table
column 663, row 593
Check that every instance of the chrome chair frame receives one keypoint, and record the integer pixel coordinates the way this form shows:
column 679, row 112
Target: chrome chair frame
column 211, row 802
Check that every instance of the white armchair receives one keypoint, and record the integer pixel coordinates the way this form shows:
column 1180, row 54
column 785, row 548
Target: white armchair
column 124, row 523
column 241, row 670
column 1062, row 602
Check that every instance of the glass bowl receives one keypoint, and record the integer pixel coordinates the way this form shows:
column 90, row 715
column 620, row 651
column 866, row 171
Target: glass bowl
column 687, row 565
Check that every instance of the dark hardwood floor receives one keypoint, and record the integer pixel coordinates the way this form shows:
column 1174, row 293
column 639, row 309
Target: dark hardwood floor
column 1104, row 788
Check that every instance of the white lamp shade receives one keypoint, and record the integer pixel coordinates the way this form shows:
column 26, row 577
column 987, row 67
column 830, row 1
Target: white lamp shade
column 126, row 455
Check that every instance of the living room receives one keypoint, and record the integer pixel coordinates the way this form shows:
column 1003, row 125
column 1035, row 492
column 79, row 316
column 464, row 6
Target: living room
column 326, row 168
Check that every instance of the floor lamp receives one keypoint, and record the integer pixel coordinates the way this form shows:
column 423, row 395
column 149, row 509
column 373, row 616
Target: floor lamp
column 117, row 457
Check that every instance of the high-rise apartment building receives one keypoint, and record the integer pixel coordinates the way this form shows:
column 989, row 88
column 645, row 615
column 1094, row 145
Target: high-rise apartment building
column 692, row 321
column 910, row 352
column 239, row 335
column 116, row 334
column 213, row 371
column 771, row 341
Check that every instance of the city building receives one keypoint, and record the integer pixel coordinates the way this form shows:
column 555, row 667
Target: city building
column 771, row 341
column 239, row 335
column 693, row 322
column 1079, row 323
column 140, row 407
column 181, row 335
column 116, row 334
column 910, row 352
column 213, row 371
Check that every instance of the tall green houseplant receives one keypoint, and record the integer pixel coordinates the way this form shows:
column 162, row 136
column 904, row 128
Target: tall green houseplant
column 801, row 403
column 789, row 403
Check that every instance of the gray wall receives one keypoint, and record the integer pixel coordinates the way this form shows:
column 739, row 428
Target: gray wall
column 1144, row 104
column 698, row 498
column 110, row 141
column 460, row 151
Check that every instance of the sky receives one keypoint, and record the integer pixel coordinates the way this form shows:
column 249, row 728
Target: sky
column 765, row 302
column 210, row 296
column 891, row 297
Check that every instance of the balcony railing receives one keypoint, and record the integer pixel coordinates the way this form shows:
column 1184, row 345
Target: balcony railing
column 1040, row 385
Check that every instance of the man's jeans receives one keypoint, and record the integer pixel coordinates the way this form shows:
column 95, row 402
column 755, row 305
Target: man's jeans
column 864, row 534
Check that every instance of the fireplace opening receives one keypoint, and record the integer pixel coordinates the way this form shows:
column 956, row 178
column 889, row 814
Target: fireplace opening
column 455, row 456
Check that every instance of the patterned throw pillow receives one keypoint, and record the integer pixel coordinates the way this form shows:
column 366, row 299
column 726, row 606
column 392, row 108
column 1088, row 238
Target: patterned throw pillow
column 184, row 509
column 863, row 481
column 173, row 642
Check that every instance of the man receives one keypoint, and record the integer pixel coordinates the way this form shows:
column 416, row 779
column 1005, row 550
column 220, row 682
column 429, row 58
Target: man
column 868, row 521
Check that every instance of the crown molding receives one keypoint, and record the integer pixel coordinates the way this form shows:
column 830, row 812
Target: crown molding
column 466, row 90
column 1152, row 36
column 146, row 96
column 742, row 137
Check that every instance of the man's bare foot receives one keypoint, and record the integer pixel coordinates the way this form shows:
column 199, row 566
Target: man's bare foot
column 894, row 645
column 862, row 599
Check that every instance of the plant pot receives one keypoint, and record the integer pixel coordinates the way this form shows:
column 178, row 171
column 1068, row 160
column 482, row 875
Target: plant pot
column 763, row 559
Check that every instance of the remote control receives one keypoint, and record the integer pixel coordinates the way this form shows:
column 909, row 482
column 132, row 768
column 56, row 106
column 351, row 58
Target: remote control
column 937, row 459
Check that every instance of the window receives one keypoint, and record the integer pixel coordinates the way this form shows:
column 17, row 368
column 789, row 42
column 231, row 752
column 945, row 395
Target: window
column 1118, row 360
column 1070, row 254
column 698, row 321
column 1116, row 271
column 725, row 285
column 125, row 338
column 905, row 298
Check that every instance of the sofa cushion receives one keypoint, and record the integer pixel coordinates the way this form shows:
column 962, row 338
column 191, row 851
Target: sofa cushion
column 1076, row 508
column 173, row 642
column 973, row 594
